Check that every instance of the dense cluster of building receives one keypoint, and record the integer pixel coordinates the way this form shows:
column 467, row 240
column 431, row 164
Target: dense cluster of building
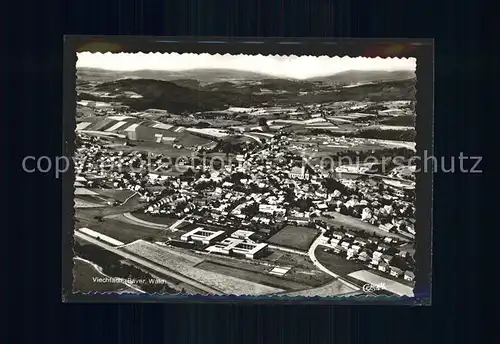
column 251, row 195
column 375, row 252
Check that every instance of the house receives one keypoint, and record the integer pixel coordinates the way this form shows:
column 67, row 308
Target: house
column 377, row 255
column 350, row 235
column 350, row 253
column 402, row 254
column 388, row 227
column 383, row 247
column 337, row 235
column 396, row 272
column 356, row 248
column 387, row 258
column 298, row 173
column 298, row 220
column 363, row 256
column 334, row 242
column 388, row 240
column 409, row 276
column 345, row 245
column 339, row 250
column 361, row 242
column 373, row 240
column 383, row 266
column 322, row 206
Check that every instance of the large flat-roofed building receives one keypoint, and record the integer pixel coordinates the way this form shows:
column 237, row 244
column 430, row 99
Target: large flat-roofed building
column 232, row 246
column 201, row 235
column 241, row 234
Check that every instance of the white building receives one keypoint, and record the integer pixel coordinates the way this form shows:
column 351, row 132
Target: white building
column 241, row 234
column 298, row 173
column 201, row 235
column 238, row 247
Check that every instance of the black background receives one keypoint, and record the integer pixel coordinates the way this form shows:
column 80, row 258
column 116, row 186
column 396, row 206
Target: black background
column 31, row 102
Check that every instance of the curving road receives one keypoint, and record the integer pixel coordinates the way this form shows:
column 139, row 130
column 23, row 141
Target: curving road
column 320, row 266
column 259, row 141
column 128, row 217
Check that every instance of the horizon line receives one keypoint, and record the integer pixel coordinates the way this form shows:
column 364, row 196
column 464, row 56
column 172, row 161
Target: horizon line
column 247, row 71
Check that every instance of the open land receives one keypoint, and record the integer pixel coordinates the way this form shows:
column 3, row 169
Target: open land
column 84, row 272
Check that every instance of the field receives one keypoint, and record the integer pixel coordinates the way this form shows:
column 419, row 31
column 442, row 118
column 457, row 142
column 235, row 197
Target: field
column 407, row 120
column 295, row 237
column 356, row 224
column 119, row 230
column 189, row 140
column 303, row 271
column 132, row 204
column 83, row 203
column 185, row 265
column 331, row 289
column 336, row 264
column 158, row 148
column 119, row 195
column 84, row 191
column 154, row 219
column 84, row 272
column 253, row 276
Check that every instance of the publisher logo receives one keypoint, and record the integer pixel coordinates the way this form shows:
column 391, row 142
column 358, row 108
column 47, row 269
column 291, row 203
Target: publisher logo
column 370, row 288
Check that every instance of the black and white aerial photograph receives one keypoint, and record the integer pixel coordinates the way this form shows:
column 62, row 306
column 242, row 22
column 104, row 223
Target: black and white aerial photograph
column 209, row 174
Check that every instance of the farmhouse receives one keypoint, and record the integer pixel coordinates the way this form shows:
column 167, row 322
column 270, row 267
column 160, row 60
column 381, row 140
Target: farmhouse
column 201, row 235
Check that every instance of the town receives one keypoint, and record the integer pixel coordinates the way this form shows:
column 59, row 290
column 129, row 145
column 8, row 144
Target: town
column 303, row 200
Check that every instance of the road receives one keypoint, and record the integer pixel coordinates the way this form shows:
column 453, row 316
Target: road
column 128, row 217
column 135, row 193
column 254, row 138
column 147, row 264
column 320, row 266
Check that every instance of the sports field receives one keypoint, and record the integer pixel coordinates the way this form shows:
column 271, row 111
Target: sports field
column 294, row 237
column 356, row 224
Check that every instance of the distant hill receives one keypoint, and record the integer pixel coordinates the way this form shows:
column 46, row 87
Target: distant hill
column 203, row 76
column 184, row 96
column 211, row 76
column 170, row 96
column 358, row 76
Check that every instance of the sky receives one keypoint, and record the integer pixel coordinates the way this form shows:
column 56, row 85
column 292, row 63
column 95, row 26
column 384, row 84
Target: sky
column 298, row 67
